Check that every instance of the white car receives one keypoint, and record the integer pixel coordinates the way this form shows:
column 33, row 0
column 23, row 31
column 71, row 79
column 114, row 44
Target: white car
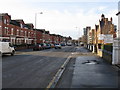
column 6, row 48
column 57, row 46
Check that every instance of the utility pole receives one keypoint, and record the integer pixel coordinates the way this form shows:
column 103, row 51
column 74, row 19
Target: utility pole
column 35, row 26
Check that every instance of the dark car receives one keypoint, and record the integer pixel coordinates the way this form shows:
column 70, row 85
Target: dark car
column 52, row 45
column 43, row 45
column 63, row 44
column 48, row 46
column 37, row 47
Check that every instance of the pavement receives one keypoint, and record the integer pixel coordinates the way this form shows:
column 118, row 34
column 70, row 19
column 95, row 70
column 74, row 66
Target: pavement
column 91, row 71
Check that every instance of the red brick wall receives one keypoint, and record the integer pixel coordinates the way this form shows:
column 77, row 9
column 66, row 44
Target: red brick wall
column 39, row 37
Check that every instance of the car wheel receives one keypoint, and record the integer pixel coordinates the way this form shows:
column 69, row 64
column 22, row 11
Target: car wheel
column 13, row 52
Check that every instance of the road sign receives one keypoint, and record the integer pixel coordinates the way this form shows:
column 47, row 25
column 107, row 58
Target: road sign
column 101, row 37
column 108, row 38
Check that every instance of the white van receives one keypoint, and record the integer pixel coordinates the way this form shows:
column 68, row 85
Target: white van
column 6, row 48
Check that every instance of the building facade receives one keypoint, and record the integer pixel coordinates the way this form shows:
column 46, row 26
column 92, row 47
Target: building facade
column 20, row 33
column 104, row 33
column 16, row 31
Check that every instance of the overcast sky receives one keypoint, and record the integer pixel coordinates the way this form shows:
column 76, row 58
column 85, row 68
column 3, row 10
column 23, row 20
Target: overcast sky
column 61, row 16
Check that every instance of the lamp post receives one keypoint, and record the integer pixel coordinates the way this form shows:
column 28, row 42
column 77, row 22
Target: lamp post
column 35, row 26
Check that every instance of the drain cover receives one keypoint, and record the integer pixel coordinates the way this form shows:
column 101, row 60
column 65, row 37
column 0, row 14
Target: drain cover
column 91, row 62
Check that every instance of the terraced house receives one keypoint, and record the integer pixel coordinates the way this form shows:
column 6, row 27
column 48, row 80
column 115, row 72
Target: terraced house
column 16, row 31
column 20, row 33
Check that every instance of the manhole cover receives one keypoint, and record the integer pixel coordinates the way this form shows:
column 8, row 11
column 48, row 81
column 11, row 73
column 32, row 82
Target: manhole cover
column 91, row 62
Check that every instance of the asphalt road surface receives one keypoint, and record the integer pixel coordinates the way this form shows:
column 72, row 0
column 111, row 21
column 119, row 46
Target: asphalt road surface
column 32, row 69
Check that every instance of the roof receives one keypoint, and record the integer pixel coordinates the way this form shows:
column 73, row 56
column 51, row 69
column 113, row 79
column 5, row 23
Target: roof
column 4, row 14
column 28, row 26
column 41, row 30
column 14, row 22
column 19, row 20
column 46, row 32
column 31, row 24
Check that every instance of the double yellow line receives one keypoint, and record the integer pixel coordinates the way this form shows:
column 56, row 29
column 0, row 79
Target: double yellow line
column 57, row 76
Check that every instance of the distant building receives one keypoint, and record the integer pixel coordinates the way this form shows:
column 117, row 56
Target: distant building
column 85, row 38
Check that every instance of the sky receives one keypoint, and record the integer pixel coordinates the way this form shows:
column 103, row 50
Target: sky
column 64, row 17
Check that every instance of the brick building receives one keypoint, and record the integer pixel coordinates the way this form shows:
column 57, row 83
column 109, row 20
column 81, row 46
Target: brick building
column 85, row 38
column 96, row 38
column 16, row 31
column 20, row 33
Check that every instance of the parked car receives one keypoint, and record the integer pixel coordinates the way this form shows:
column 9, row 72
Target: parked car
column 57, row 46
column 69, row 44
column 63, row 44
column 37, row 47
column 48, row 46
column 43, row 45
column 52, row 46
column 6, row 48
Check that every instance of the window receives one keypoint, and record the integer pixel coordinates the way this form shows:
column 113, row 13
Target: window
column 28, row 34
column 17, row 32
column 21, row 25
column 12, row 31
column 5, row 21
column 5, row 31
column 25, row 33
column 21, row 33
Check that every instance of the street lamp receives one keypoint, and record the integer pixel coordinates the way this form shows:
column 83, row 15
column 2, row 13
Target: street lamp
column 35, row 26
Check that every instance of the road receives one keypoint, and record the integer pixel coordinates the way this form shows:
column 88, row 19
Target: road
column 32, row 69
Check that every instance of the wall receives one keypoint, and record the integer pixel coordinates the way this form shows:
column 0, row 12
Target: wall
column 107, row 53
